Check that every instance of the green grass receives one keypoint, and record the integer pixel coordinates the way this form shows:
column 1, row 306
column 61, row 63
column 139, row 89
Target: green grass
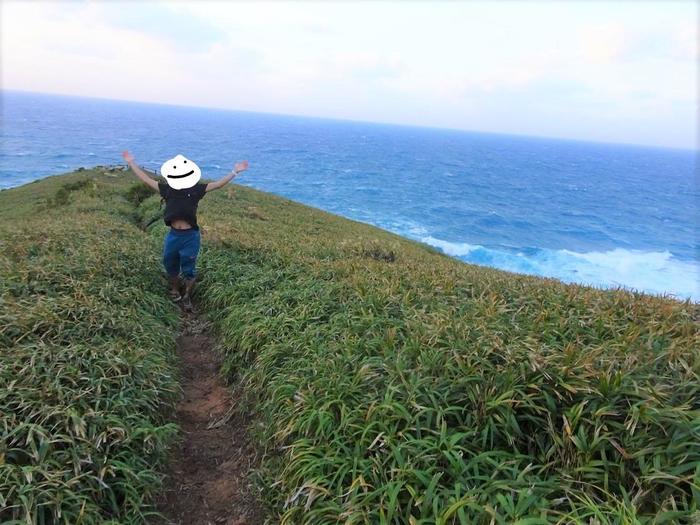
column 396, row 385
column 86, row 367
column 390, row 383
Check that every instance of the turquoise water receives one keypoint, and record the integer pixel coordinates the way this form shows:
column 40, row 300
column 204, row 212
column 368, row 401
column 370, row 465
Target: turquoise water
column 600, row 214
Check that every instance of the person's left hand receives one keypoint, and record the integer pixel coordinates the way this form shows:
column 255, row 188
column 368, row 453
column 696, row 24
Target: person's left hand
column 128, row 157
column 240, row 166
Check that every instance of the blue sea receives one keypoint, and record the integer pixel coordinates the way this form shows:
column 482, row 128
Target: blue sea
column 608, row 215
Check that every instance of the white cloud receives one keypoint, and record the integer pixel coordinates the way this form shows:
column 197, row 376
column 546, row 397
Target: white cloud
column 444, row 64
column 603, row 43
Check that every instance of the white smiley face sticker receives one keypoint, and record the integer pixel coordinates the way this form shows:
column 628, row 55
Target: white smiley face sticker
column 180, row 173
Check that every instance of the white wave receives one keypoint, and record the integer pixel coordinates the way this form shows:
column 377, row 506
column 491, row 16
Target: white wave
column 651, row 272
column 405, row 227
column 456, row 249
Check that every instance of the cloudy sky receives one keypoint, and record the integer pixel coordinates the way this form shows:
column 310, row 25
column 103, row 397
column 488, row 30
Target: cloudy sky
column 618, row 71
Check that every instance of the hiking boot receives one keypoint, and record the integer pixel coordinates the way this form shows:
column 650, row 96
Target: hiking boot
column 189, row 284
column 174, row 291
column 187, row 303
column 186, row 298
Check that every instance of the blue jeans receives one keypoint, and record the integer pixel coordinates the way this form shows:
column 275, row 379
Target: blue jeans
column 180, row 251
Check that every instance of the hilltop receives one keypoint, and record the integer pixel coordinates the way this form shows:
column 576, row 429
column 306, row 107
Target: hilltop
column 388, row 382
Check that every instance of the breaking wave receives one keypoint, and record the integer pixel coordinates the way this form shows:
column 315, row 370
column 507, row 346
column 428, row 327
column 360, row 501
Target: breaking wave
column 650, row 272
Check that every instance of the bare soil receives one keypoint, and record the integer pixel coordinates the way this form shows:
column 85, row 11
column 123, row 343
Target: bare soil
column 207, row 480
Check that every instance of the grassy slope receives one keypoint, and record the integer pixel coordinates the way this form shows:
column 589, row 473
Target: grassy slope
column 394, row 384
column 397, row 385
column 85, row 354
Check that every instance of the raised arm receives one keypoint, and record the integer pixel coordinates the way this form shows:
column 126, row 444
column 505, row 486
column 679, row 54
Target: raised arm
column 240, row 166
column 129, row 158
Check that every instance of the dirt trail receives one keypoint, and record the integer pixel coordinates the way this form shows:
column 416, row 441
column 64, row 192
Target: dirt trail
column 207, row 478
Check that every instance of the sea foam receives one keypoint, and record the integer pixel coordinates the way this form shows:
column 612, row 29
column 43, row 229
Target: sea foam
column 646, row 271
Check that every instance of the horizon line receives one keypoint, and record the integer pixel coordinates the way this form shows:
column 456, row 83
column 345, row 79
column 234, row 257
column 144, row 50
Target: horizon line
column 695, row 149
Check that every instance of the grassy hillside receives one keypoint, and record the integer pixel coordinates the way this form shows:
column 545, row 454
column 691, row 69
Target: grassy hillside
column 392, row 384
column 397, row 385
column 85, row 354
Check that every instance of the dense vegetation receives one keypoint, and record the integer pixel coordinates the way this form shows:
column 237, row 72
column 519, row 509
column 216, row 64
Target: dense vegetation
column 86, row 339
column 396, row 385
column 391, row 384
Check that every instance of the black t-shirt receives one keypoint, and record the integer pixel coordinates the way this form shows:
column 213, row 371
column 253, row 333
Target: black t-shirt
column 181, row 204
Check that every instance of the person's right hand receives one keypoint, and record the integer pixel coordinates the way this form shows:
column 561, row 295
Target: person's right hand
column 128, row 157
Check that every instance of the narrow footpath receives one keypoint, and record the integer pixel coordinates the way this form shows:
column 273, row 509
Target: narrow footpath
column 207, row 479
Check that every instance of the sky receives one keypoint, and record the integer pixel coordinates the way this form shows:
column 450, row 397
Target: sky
column 617, row 71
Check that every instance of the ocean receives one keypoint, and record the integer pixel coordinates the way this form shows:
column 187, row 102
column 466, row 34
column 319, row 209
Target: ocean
column 607, row 215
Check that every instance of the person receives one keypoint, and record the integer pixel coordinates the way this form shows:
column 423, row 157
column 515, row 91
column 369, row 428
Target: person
column 181, row 193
